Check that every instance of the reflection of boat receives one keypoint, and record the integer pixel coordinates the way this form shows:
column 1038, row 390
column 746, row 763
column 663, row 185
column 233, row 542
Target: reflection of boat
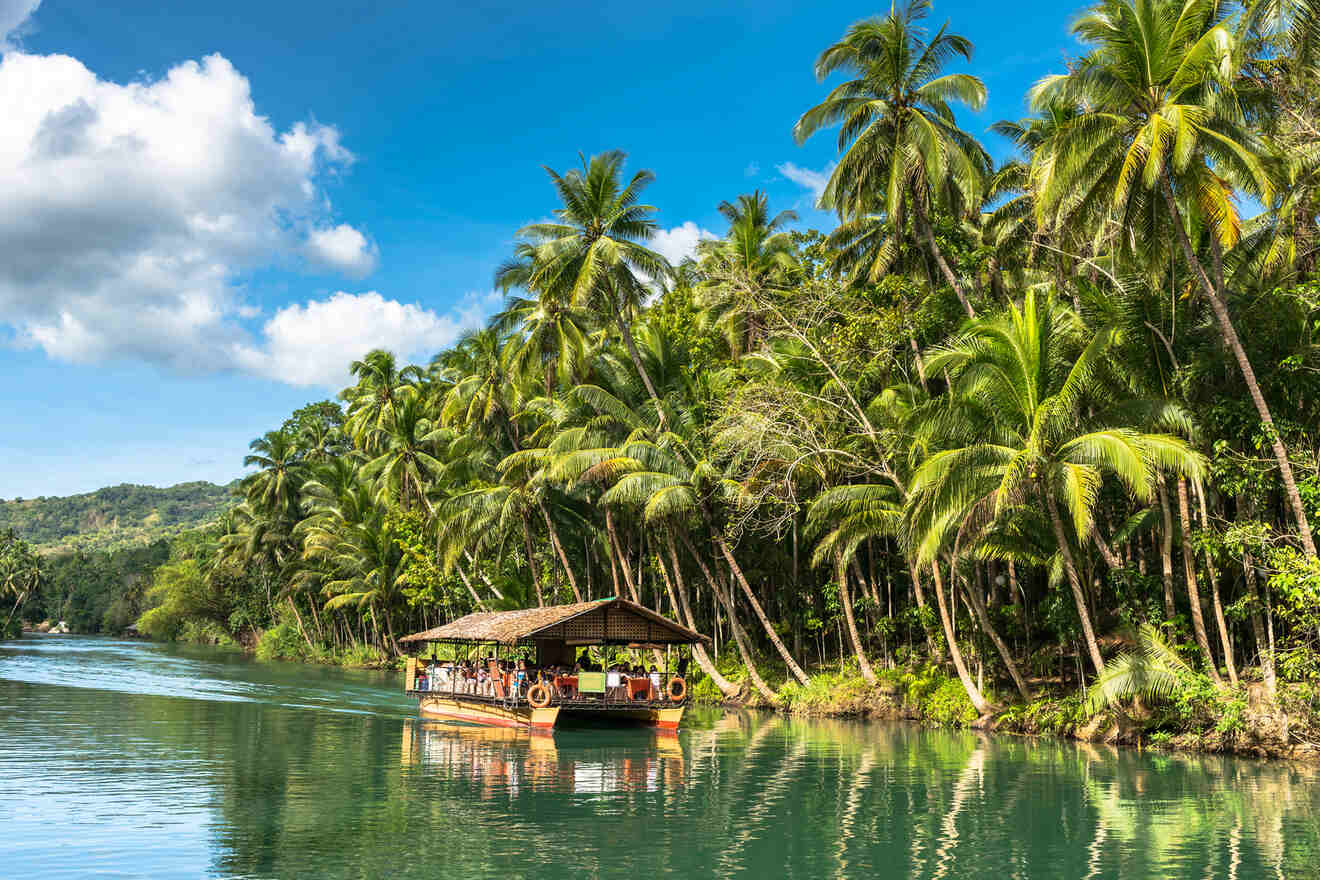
column 491, row 694
column 499, row 757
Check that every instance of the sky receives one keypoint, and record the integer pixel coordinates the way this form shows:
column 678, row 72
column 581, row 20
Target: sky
column 210, row 210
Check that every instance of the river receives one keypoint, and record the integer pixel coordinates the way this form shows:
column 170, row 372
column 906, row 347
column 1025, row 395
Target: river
column 129, row 759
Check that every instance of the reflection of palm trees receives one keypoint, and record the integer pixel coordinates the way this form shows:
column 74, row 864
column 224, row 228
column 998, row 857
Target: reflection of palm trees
column 968, row 780
column 861, row 781
column 763, row 809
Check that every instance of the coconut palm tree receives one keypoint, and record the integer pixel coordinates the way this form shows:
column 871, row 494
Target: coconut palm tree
column 406, row 464
column 900, row 146
column 554, row 330
column 1022, row 433
column 596, row 252
column 380, row 383
column 1162, row 139
column 755, row 256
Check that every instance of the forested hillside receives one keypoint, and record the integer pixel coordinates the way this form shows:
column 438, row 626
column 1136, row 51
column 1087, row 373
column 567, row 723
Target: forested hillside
column 114, row 517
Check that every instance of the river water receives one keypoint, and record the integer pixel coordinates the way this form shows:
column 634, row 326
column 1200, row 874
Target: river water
column 127, row 759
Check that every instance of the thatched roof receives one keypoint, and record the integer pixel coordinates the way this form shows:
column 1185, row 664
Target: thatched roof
column 605, row 621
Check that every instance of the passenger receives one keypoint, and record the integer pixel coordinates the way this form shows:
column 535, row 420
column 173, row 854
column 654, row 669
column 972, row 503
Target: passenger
column 655, row 683
column 520, row 678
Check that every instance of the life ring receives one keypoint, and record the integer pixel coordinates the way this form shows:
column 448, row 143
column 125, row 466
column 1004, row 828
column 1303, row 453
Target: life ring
column 539, row 696
column 677, row 689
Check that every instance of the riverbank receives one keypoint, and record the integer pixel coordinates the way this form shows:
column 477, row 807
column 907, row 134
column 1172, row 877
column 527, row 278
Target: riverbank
column 1234, row 720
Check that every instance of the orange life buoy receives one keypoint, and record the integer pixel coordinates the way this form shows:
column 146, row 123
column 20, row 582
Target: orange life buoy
column 677, row 689
column 539, row 696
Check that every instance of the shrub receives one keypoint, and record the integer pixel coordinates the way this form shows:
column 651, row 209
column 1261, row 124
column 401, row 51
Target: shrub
column 949, row 704
column 281, row 642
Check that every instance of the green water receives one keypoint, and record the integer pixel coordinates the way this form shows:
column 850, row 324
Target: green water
column 123, row 759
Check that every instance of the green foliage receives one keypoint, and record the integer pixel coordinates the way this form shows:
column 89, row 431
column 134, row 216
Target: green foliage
column 949, row 705
column 281, row 642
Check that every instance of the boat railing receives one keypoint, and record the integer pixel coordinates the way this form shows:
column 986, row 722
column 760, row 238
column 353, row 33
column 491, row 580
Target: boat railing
column 616, row 690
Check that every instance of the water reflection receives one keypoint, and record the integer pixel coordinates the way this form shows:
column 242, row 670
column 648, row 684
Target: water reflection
column 165, row 763
column 500, row 761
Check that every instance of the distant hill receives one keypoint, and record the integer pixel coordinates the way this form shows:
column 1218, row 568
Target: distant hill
column 114, row 517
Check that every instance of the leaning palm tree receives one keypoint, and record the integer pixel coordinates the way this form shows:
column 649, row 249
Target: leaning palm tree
column 1162, row 140
column 901, row 147
column 595, row 252
column 1024, row 386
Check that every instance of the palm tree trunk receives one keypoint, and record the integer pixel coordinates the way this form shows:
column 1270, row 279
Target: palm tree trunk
column 1216, row 605
column 770, row 633
column 1193, row 593
column 678, row 591
column 1229, row 333
column 1074, row 581
column 462, row 575
column 559, row 550
column 625, row 330
column 298, row 617
column 845, row 597
column 487, row 581
column 616, row 558
column 928, row 235
column 983, row 706
column 730, row 611
column 1263, row 647
column 1106, row 552
column 919, row 595
column 531, row 561
column 974, row 599
column 1166, row 551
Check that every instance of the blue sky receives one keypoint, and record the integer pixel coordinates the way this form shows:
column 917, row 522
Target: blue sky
column 214, row 207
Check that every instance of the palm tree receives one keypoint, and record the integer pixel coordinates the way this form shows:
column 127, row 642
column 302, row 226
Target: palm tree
column 595, row 253
column 406, row 465
column 554, row 331
column 1024, row 386
column 1161, row 120
column 380, row 383
column 754, row 257
column 900, row 145
column 275, row 487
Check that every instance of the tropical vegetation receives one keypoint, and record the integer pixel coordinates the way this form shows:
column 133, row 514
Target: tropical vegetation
column 999, row 420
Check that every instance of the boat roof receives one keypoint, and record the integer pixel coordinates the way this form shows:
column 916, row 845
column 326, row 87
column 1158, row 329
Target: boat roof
column 611, row 621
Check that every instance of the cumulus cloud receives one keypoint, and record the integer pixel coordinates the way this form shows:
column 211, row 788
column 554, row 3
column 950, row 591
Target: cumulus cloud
column 313, row 343
column 680, row 242
column 13, row 15
column 132, row 210
column 342, row 248
column 809, row 179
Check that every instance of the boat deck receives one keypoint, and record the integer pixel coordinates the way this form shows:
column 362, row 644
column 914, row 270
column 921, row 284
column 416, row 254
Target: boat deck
column 588, row 703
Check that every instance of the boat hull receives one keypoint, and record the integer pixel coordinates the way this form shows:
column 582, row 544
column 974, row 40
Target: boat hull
column 499, row 715
column 489, row 713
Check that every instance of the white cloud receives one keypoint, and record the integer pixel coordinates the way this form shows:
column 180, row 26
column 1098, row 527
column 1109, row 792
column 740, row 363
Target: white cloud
column 13, row 15
column 342, row 248
column 313, row 344
column 680, row 242
column 132, row 210
column 807, row 178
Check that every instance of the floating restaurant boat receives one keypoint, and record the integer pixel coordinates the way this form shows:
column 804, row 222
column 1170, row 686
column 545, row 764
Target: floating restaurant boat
column 476, row 683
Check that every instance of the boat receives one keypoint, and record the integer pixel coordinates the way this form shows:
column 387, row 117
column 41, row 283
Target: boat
column 473, row 681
